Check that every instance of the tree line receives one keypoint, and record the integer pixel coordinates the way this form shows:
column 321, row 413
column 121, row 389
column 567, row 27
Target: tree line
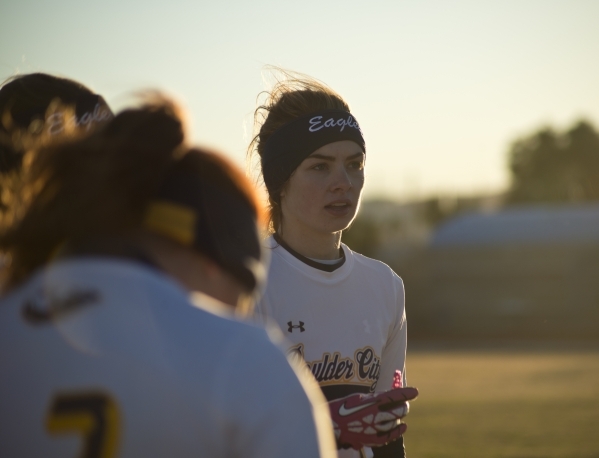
column 549, row 166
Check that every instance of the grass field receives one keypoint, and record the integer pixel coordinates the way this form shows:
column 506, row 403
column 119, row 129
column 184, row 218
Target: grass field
column 516, row 404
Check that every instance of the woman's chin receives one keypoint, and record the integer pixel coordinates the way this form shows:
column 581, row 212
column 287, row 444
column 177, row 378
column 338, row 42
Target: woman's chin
column 339, row 223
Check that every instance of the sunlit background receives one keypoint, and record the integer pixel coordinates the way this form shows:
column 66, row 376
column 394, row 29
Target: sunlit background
column 440, row 87
column 482, row 192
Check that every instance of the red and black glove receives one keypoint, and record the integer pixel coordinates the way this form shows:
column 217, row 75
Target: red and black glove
column 370, row 420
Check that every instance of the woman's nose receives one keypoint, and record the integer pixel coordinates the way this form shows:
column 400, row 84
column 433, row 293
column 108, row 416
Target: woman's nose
column 341, row 179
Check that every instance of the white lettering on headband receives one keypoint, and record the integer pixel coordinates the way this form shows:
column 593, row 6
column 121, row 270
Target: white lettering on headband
column 56, row 122
column 317, row 124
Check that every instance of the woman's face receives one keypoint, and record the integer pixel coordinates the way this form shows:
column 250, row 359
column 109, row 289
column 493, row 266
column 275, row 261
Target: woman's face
column 323, row 193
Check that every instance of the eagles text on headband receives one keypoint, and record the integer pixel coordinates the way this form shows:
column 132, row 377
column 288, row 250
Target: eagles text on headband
column 286, row 149
column 88, row 110
column 57, row 122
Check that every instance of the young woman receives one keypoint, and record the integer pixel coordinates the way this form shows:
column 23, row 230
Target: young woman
column 343, row 313
column 103, row 350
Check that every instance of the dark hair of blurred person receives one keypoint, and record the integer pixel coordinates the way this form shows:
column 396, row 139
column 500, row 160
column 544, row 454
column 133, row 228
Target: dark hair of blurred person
column 97, row 194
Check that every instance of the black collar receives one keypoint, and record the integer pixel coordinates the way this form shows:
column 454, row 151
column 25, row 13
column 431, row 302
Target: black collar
column 308, row 261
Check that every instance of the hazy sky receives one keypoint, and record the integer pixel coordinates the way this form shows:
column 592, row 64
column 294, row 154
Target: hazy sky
column 440, row 87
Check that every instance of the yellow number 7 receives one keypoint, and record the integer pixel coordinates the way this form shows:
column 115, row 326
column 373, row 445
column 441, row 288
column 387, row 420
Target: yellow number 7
column 92, row 414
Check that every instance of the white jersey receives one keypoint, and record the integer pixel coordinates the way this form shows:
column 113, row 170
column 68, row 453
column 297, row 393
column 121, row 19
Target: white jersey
column 349, row 325
column 103, row 358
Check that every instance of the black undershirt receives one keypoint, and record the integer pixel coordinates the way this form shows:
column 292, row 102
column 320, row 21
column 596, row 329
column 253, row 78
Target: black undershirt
column 311, row 262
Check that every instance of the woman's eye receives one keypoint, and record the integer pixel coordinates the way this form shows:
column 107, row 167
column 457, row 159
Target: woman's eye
column 319, row 167
column 356, row 165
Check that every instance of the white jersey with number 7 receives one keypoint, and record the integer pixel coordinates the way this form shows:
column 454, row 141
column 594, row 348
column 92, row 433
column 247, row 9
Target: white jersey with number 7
column 107, row 358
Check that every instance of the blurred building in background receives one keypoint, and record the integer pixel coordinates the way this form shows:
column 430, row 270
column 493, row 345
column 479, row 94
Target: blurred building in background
column 528, row 272
column 522, row 272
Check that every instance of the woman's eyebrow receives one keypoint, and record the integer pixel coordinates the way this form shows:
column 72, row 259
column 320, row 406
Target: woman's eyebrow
column 357, row 155
column 332, row 158
column 321, row 156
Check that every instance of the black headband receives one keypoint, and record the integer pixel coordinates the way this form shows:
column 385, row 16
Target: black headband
column 286, row 149
column 83, row 104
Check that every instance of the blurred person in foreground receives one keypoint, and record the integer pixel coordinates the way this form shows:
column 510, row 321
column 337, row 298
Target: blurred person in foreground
column 342, row 312
column 105, row 348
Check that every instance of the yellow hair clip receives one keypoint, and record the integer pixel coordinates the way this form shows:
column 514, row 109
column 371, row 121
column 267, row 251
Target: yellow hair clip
column 172, row 220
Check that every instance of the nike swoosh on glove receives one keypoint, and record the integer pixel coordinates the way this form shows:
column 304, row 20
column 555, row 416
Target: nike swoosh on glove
column 367, row 420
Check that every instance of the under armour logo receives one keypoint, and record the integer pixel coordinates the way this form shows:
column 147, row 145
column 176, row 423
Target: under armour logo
column 292, row 326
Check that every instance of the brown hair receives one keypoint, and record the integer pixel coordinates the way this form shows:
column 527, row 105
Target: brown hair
column 101, row 184
column 292, row 96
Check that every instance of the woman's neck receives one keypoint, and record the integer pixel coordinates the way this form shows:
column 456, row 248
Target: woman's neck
column 314, row 245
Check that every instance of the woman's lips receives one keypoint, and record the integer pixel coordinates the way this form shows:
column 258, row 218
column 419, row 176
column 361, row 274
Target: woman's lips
column 338, row 208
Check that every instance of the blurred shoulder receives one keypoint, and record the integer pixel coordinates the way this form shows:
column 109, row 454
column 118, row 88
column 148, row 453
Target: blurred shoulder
column 250, row 331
